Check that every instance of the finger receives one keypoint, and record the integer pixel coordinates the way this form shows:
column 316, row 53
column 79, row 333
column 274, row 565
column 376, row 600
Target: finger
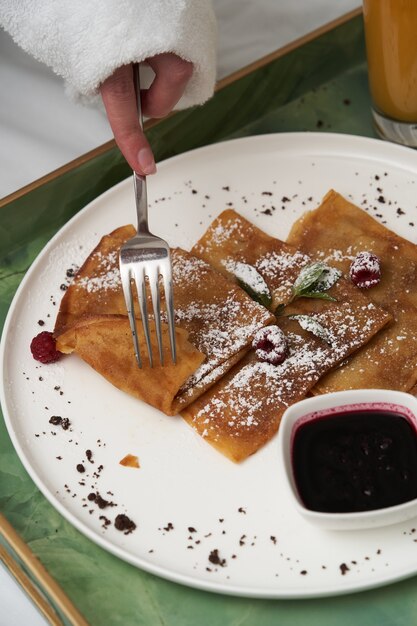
column 171, row 77
column 119, row 98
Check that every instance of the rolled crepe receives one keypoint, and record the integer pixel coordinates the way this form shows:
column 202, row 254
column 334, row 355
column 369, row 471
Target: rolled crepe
column 215, row 323
column 335, row 232
column 243, row 410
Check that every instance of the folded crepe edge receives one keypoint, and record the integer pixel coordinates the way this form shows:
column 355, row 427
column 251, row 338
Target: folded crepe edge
column 105, row 343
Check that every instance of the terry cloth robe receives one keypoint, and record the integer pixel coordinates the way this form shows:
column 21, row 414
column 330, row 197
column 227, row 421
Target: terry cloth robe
column 85, row 41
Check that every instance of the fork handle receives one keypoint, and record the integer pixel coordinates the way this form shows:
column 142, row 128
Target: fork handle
column 139, row 181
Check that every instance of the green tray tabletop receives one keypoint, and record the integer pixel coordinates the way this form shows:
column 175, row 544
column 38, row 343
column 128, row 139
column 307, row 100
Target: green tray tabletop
column 318, row 83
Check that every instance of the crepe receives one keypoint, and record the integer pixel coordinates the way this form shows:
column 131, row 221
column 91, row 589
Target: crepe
column 215, row 323
column 335, row 233
column 243, row 410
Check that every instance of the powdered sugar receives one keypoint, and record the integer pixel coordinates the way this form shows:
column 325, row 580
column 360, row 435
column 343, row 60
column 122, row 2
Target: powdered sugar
column 106, row 276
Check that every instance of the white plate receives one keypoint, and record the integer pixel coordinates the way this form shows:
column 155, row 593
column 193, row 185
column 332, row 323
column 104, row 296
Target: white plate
column 182, row 480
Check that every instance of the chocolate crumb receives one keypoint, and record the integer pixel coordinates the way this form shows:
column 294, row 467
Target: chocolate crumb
column 400, row 211
column 124, row 523
column 267, row 212
column 106, row 521
column 41, row 323
column 241, row 510
column 226, row 188
column 267, row 193
column 89, row 455
column 303, row 572
column 65, row 423
column 91, row 497
column 102, row 503
column 59, row 458
column 191, row 529
column 56, row 420
column 80, row 468
column 381, row 199
column 215, row 558
column 63, row 287
column 343, row 568
column 169, row 527
column 273, row 539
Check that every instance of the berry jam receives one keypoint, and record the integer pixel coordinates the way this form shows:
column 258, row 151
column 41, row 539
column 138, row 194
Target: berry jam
column 355, row 460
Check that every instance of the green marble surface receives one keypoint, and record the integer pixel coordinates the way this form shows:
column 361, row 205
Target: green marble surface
column 320, row 86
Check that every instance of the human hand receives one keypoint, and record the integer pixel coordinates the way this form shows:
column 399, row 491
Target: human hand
column 118, row 93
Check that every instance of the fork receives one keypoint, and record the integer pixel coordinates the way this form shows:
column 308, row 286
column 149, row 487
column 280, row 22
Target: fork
column 146, row 257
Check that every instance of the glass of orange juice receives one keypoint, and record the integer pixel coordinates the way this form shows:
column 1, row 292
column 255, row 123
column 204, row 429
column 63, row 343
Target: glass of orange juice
column 391, row 46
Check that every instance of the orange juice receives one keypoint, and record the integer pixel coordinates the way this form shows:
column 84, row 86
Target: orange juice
column 391, row 45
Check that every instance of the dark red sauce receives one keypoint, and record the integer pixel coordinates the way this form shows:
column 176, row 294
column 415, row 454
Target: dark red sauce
column 355, row 460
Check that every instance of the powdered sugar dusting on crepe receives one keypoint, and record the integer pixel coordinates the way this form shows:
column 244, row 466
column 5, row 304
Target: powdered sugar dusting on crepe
column 106, row 276
column 226, row 323
column 259, row 388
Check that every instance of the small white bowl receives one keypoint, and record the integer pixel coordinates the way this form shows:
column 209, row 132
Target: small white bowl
column 391, row 400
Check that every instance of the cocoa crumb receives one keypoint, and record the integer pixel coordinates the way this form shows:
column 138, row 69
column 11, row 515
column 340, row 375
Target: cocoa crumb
column 241, row 510
column 124, row 524
column 273, row 539
column 105, row 520
column 56, row 420
column 101, row 502
column 191, row 529
column 343, row 568
column 215, row 558
column 89, row 456
column 41, row 323
column 169, row 527
column 80, row 468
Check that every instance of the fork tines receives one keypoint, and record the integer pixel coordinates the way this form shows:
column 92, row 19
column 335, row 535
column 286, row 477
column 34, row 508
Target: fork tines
column 146, row 276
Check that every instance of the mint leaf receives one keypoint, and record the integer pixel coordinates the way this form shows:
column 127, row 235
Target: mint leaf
column 251, row 281
column 329, row 277
column 311, row 325
column 319, row 295
column 308, row 276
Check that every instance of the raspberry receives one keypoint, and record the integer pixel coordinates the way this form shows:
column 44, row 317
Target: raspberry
column 43, row 348
column 270, row 345
column 365, row 270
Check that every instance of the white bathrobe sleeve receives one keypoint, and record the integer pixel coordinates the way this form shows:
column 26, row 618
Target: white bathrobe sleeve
column 84, row 41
